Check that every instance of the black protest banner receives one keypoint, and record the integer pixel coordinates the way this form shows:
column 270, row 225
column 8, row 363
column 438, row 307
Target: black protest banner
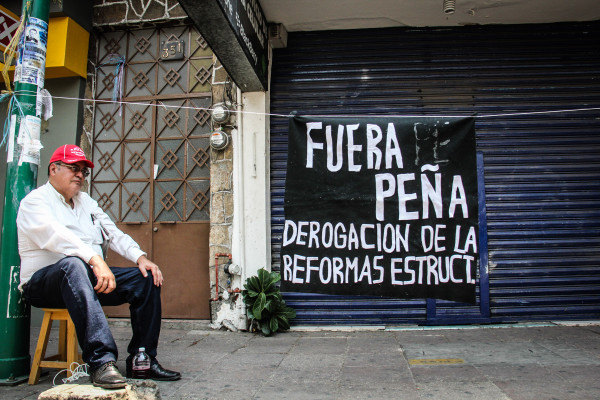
column 381, row 206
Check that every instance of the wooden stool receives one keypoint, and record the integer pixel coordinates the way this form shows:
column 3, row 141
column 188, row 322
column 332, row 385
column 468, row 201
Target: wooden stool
column 68, row 348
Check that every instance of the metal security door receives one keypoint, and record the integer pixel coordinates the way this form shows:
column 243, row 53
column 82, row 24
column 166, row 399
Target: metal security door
column 152, row 172
column 540, row 176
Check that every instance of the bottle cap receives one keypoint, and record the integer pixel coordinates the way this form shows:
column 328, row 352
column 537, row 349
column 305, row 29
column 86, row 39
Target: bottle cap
column 142, row 349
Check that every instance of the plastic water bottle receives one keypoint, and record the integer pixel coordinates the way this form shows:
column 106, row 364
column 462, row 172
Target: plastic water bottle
column 141, row 364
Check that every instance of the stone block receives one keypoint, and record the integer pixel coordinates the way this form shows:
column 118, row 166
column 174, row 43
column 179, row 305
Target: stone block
column 228, row 205
column 175, row 10
column 110, row 14
column 154, row 11
column 225, row 248
column 73, row 391
column 217, row 209
column 216, row 155
column 135, row 390
column 144, row 389
column 228, row 152
column 220, row 74
column 217, row 88
column 220, row 176
column 220, row 235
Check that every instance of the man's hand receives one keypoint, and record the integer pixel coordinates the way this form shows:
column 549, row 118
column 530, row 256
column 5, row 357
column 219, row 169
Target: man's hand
column 146, row 265
column 106, row 279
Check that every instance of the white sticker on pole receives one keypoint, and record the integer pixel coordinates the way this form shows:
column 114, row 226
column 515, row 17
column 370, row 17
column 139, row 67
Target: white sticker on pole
column 47, row 104
column 18, row 73
column 29, row 139
column 11, row 139
column 38, row 102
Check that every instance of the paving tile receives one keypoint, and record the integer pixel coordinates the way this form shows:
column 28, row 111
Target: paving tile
column 267, row 345
column 306, row 376
column 374, row 375
column 542, row 390
column 369, row 344
column 420, row 337
column 298, row 392
column 379, row 392
column 516, row 372
column 584, row 376
column 393, row 357
column 299, row 361
column 320, row 345
column 438, row 390
column 447, row 373
column 519, row 353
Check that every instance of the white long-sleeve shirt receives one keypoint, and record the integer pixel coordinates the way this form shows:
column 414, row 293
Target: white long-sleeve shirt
column 49, row 229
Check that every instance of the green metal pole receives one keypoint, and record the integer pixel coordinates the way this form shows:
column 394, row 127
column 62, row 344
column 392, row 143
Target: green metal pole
column 21, row 177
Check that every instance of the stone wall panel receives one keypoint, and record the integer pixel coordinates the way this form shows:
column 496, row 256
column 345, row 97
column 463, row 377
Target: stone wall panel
column 136, row 12
column 110, row 14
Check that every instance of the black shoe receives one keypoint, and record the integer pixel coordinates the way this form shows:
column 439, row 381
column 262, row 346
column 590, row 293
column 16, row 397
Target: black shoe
column 157, row 372
column 107, row 376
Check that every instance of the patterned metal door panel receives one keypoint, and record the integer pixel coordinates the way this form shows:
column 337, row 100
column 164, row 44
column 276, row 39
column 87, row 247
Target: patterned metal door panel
column 198, row 163
column 106, row 193
column 108, row 123
column 200, row 75
column 200, row 64
column 171, row 77
column 107, row 161
column 172, row 120
column 109, row 45
column 138, row 121
column 180, row 200
column 138, row 161
column 140, row 80
column 198, row 196
column 152, row 152
column 142, row 46
column 135, row 199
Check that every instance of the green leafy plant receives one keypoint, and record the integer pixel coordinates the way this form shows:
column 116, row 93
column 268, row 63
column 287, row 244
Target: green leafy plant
column 265, row 305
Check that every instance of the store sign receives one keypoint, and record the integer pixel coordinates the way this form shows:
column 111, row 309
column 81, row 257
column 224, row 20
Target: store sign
column 236, row 30
column 247, row 20
column 9, row 22
column 381, row 207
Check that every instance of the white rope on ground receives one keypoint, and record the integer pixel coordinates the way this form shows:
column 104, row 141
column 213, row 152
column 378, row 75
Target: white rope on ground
column 77, row 371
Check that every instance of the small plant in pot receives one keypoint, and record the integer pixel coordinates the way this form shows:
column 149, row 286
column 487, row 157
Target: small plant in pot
column 265, row 306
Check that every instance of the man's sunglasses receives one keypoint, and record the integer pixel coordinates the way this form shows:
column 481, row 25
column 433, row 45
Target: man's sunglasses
column 76, row 169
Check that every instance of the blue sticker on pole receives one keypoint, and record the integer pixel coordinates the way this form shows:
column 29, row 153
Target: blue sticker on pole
column 33, row 53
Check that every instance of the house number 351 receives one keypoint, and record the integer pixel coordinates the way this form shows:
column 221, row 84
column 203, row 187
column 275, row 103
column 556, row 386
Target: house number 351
column 172, row 50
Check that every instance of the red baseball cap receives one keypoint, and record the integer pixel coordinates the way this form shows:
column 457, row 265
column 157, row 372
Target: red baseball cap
column 70, row 154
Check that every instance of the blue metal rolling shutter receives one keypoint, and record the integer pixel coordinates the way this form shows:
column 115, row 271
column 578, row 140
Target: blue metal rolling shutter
column 542, row 171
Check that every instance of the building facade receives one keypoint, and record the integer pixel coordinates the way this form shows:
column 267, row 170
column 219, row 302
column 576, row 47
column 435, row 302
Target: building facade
column 532, row 89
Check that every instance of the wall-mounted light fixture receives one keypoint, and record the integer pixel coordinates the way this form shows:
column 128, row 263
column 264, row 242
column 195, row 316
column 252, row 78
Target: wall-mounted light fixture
column 449, row 6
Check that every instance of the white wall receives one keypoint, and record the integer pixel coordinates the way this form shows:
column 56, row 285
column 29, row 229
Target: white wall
column 252, row 203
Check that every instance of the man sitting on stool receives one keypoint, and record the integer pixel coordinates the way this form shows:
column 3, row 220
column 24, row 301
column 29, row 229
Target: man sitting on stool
column 61, row 230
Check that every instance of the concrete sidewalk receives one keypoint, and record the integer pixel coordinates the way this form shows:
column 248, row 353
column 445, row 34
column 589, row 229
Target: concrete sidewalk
column 525, row 361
